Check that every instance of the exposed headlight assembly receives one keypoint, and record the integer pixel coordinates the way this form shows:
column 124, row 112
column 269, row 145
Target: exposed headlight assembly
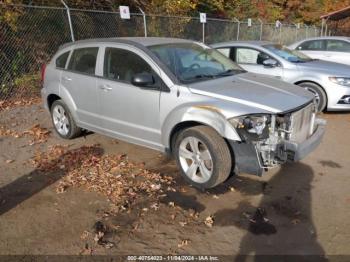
column 252, row 127
column 344, row 81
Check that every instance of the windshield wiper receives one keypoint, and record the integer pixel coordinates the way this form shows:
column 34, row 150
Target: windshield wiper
column 300, row 61
column 229, row 72
column 204, row 76
column 200, row 76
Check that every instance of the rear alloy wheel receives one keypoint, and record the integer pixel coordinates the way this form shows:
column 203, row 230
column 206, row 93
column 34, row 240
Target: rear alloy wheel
column 318, row 92
column 203, row 157
column 63, row 121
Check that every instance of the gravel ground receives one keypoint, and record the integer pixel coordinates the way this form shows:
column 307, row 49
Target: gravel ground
column 300, row 208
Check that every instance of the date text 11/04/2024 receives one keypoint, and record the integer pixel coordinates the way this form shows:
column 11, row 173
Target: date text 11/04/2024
column 172, row 258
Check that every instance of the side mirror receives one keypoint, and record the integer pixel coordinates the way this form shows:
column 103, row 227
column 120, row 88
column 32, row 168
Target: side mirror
column 142, row 80
column 270, row 63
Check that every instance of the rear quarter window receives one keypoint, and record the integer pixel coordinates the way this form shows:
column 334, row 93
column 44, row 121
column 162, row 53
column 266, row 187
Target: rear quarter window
column 84, row 60
column 62, row 60
column 338, row 46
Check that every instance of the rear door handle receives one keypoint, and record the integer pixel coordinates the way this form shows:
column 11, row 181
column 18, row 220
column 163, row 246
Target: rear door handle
column 105, row 87
column 67, row 78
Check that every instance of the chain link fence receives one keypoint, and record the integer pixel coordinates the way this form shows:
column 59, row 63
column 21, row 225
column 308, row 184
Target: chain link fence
column 34, row 33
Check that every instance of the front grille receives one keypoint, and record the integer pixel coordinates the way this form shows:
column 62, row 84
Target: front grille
column 302, row 123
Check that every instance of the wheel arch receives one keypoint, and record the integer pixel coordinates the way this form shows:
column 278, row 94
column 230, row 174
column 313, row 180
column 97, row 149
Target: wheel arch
column 50, row 99
column 194, row 117
column 178, row 128
column 313, row 82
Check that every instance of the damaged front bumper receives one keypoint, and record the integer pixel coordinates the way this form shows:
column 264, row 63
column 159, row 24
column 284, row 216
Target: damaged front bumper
column 297, row 151
column 247, row 158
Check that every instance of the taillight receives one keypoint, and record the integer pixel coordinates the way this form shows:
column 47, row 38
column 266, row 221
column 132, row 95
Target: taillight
column 43, row 68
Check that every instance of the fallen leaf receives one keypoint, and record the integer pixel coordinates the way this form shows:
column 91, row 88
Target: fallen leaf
column 107, row 244
column 209, row 221
column 183, row 243
column 155, row 187
column 98, row 236
column 182, row 223
column 61, row 188
column 295, row 221
column 155, row 206
column 85, row 235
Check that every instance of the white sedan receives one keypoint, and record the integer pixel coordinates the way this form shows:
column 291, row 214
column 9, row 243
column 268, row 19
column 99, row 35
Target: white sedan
column 332, row 48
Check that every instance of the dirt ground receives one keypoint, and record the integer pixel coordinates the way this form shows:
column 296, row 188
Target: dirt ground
column 300, row 208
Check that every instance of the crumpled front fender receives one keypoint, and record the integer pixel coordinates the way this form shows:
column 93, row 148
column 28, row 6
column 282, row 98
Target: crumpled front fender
column 206, row 115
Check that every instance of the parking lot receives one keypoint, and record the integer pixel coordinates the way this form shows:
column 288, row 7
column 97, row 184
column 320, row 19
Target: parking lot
column 300, row 208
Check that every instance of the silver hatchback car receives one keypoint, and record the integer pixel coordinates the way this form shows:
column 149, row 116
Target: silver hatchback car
column 329, row 82
column 184, row 98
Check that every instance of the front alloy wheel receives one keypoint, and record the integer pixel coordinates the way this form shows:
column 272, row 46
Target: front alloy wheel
column 203, row 156
column 195, row 159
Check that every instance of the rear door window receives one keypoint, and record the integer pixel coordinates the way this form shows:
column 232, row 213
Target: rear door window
column 62, row 60
column 83, row 60
column 314, row 45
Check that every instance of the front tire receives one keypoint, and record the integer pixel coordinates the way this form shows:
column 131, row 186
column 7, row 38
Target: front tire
column 203, row 157
column 63, row 121
column 319, row 93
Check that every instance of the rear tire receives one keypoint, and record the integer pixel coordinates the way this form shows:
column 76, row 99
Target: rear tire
column 319, row 93
column 63, row 121
column 203, row 157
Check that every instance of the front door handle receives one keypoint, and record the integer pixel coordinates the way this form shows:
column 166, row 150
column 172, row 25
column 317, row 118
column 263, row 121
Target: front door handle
column 105, row 87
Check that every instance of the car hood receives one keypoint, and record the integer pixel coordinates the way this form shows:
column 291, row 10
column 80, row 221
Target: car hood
column 331, row 68
column 254, row 90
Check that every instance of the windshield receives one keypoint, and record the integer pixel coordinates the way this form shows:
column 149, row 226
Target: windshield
column 191, row 62
column 287, row 54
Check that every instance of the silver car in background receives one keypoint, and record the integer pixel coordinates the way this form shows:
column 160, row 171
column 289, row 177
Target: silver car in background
column 183, row 98
column 329, row 48
column 329, row 82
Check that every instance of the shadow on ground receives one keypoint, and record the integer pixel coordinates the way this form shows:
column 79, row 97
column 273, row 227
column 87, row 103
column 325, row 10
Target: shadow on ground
column 282, row 222
column 30, row 184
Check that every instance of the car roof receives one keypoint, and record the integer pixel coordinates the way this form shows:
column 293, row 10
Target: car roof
column 320, row 38
column 137, row 41
column 245, row 43
column 326, row 37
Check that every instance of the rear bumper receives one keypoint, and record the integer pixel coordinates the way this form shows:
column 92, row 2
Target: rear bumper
column 247, row 158
column 43, row 92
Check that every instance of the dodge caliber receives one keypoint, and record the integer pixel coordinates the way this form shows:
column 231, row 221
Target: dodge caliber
column 182, row 98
